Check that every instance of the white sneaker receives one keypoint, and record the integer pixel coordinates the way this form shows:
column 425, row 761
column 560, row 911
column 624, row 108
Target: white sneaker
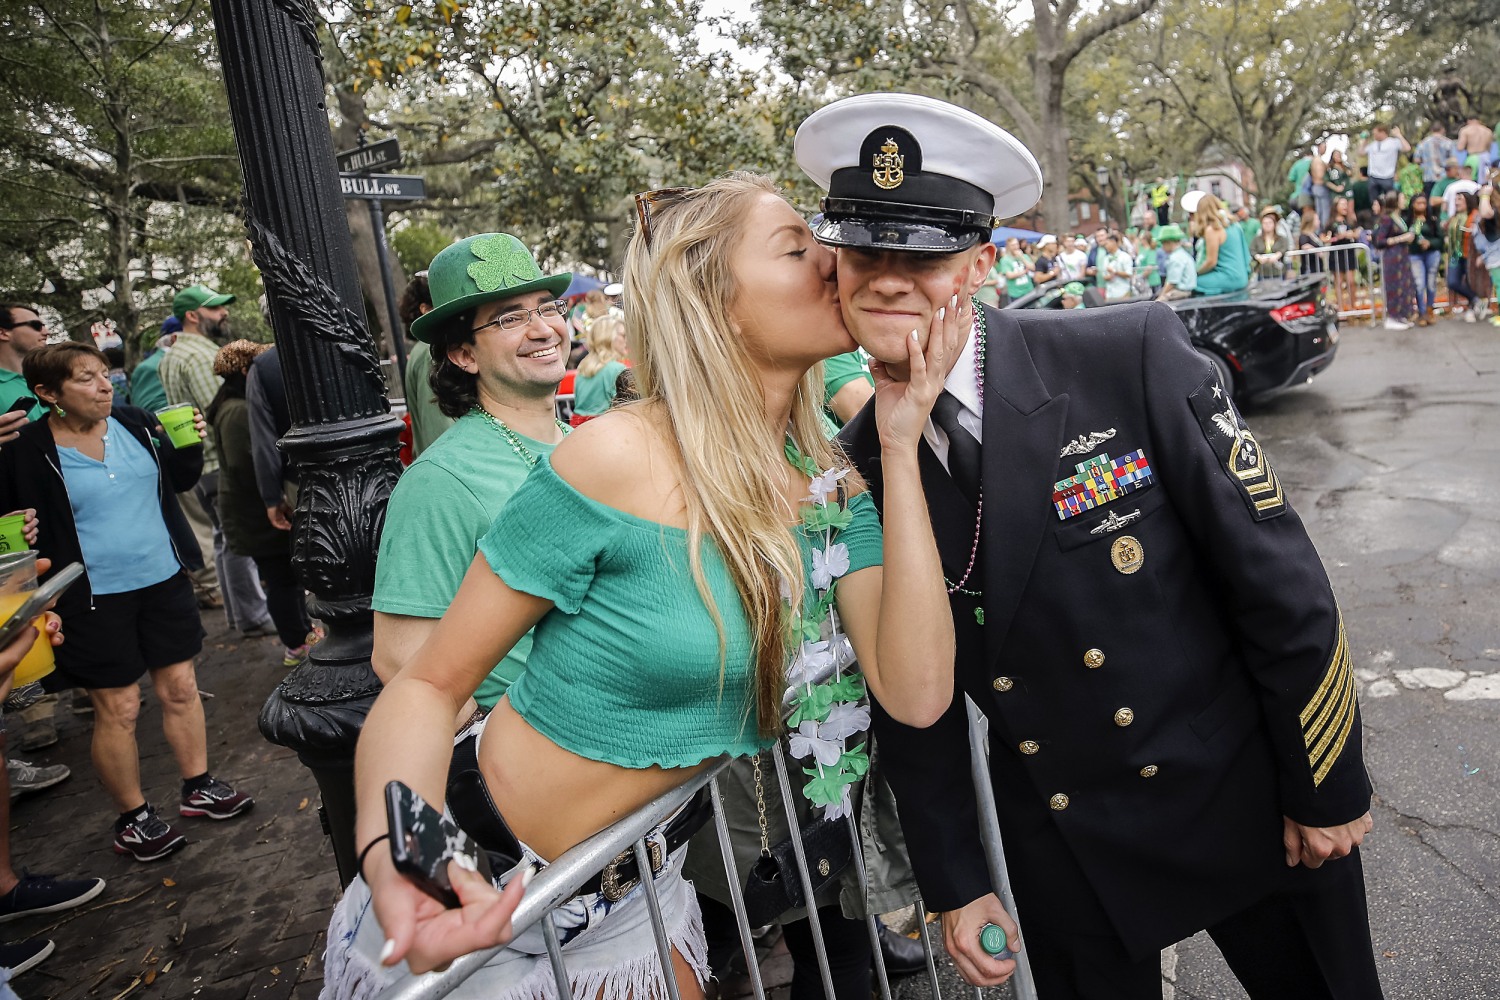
column 1392, row 323
column 1469, row 316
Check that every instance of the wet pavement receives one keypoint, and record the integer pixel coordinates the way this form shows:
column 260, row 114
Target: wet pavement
column 1392, row 458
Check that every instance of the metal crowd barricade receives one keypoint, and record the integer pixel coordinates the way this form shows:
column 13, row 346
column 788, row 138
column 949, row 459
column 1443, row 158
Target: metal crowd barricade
column 560, row 881
column 1370, row 273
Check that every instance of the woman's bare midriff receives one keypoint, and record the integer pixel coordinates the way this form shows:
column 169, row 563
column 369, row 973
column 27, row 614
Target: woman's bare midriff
column 553, row 799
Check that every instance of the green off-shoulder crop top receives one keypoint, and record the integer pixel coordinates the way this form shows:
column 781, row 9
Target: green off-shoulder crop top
column 625, row 668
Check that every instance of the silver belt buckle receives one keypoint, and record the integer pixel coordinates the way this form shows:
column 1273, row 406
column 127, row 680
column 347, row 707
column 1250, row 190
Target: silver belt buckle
column 612, row 888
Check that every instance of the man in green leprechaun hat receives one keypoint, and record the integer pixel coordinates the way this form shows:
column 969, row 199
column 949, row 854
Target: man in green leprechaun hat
column 499, row 348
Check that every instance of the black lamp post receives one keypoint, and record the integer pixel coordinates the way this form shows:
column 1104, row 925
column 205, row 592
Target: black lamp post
column 343, row 442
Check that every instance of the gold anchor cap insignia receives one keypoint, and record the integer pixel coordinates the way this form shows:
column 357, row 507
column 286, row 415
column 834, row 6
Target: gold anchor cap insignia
column 888, row 173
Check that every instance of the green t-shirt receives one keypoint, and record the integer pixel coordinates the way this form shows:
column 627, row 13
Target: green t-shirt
column 12, row 387
column 1016, row 287
column 427, row 421
column 593, row 394
column 839, row 371
column 989, row 292
column 444, row 503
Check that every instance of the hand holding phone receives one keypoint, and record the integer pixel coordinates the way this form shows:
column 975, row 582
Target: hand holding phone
column 424, row 840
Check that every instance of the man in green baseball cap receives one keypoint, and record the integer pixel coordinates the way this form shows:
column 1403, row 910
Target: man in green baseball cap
column 195, row 297
column 499, row 348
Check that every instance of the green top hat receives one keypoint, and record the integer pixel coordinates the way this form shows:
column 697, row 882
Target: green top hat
column 477, row 270
column 1171, row 231
column 197, row 297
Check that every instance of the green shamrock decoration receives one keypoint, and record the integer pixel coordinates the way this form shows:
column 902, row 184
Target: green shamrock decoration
column 491, row 271
column 850, row 687
column 819, row 518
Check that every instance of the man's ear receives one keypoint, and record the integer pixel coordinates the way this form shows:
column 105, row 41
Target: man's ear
column 979, row 267
column 463, row 356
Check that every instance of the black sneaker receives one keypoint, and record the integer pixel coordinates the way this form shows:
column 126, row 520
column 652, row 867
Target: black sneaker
column 45, row 894
column 24, row 956
column 147, row 836
column 216, row 800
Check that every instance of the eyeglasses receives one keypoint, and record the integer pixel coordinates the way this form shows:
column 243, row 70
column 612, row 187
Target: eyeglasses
column 647, row 200
column 517, row 318
column 35, row 324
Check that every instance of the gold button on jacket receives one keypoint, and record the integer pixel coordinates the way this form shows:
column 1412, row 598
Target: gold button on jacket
column 1149, row 771
column 1003, row 684
column 1058, row 802
column 1093, row 659
column 1124, row 717
column 1030, row 746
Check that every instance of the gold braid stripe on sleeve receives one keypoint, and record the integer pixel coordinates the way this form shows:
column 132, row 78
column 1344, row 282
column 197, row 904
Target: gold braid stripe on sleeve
column 1329, row 714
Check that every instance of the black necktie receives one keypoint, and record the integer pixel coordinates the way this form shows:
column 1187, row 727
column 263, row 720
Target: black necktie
column 963, row 449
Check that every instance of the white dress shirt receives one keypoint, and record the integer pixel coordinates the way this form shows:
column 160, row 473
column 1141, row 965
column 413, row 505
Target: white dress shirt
column 963, row 384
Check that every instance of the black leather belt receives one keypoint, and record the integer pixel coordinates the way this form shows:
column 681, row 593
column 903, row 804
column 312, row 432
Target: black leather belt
column 472, row 808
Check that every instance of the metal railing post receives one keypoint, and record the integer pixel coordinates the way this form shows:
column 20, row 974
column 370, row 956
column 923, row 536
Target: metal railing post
column 658, row 926
column 788, row 802
column 736, row 895
column 989, row 835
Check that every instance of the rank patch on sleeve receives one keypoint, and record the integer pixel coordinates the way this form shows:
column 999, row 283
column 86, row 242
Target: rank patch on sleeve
column 1100, row 480
column 1238, row 450
column 1328, row 716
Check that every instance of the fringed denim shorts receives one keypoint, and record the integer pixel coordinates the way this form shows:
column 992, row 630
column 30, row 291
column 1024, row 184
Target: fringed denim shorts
column 608, row 947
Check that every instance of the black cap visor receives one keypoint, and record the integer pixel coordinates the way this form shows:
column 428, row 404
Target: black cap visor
column 856, row 222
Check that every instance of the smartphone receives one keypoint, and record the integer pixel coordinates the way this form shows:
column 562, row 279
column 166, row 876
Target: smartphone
column 22, row 405
column 423, row 841
column 37, row 600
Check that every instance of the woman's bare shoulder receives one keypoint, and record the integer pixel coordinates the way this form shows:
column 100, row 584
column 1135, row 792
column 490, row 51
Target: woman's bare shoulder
column 617, row 459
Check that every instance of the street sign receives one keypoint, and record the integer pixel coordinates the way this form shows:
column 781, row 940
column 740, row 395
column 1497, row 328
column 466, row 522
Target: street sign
column 382, row 155
column 383, row 187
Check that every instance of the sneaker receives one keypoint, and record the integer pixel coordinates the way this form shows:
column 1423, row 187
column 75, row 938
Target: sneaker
column 216, row 800
column 292, row 657
column 25, row 955
column 1468, row 315
column 147, row 836
column 45, row 894
column 1391, row 323
column 259, row 630
column 26, row 777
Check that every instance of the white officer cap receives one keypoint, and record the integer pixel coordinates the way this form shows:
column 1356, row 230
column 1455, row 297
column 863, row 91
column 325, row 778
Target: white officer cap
column 1190, row 201
column 905, row 172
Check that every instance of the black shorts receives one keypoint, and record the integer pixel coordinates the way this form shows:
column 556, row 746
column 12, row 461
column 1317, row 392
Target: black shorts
column 125, row 635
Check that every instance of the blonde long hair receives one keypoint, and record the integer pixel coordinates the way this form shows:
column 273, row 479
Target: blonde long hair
column 689, row 360
column 1210, row 215
column 601, row 340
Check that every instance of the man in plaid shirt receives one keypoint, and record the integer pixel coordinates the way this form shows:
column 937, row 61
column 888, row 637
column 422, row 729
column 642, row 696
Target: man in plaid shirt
column 187, row 374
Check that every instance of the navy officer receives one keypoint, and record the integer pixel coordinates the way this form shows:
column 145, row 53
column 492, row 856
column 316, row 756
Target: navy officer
column 1139, row 611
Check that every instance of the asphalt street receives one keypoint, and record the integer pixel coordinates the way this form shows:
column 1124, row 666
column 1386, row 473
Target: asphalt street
column 1393, row 460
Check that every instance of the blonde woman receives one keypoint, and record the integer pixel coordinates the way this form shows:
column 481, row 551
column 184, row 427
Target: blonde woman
column 673, row 532
column 1224, row 260
column 597, row 382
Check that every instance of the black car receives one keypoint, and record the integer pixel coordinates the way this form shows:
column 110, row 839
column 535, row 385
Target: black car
column 1268, row 337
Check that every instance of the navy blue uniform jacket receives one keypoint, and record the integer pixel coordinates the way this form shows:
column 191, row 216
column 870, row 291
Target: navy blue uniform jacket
column 1165, row 669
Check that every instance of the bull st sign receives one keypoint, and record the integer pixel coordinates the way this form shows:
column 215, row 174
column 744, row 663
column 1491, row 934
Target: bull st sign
column 383, row 187
column 382, row 155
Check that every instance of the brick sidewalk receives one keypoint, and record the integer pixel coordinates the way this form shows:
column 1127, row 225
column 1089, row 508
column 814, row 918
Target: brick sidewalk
column 240, row 912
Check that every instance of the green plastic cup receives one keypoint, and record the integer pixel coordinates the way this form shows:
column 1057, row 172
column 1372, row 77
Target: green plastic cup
column 177, row 421
column 13, row 533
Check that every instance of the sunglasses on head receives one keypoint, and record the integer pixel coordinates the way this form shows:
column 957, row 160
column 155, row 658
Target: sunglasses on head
column 647, row 200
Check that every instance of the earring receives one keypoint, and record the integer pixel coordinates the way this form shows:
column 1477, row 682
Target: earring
column 57, row 408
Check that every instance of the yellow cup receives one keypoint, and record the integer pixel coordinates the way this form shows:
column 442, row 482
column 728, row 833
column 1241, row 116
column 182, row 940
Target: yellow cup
column 38, row 661
column 17, row 580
